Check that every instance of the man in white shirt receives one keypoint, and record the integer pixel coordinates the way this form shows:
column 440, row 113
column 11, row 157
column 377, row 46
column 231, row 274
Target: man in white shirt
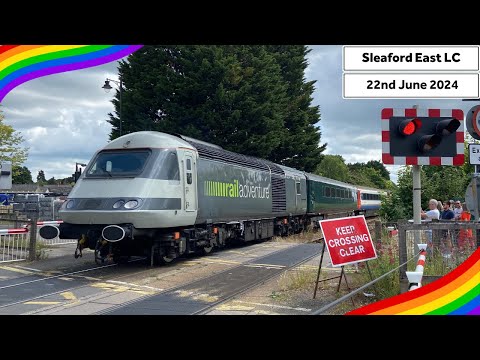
column 433, row 212
column 429, row 215
column 457, row 211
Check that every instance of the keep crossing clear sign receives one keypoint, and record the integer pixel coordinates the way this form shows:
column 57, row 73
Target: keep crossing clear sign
column 474, row 152
column 348, row 240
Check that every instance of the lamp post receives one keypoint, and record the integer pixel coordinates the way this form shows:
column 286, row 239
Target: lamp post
column 107, row 87
column 77, row 171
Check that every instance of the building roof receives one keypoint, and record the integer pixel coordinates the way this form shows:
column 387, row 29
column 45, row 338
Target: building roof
column 34, row 188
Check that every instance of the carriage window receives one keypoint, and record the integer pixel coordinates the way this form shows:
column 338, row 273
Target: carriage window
column 327, row 192
column 337, row 193
column 298, row 188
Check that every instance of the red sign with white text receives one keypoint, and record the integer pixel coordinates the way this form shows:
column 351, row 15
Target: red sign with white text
column 348, row 240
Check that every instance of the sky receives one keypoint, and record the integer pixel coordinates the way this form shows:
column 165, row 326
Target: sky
column 62, row 117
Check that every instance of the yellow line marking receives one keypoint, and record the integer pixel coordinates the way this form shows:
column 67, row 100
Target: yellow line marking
column 42, row 302
column 205, row 297
column 118, row 288
column 264, row 312
column 273, row 306
column 222, row 261
column 270, row 265
column 69, row 295
column 226, row 307
column 14, row 269
column 183, row 293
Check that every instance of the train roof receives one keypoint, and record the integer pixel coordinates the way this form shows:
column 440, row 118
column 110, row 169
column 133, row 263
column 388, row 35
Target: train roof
column 147, row 139
column 329, row 181
column 366, row 188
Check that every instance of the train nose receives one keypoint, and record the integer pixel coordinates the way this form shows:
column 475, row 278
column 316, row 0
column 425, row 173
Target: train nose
column 114, row 233
column 48, row 232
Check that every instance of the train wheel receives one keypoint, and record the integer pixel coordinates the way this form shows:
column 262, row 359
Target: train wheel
column 207, row 250
column 166, row 260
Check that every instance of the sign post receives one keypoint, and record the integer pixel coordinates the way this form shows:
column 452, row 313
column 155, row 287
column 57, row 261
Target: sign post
column 474, row 157
column 348, row 241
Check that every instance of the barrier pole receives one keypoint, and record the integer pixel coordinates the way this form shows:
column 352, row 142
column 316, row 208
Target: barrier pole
column 415, row 277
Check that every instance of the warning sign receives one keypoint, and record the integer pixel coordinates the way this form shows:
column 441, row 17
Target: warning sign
column 348, row 240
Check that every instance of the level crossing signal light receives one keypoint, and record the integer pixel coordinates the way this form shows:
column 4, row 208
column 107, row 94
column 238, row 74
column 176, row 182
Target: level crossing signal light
column 423, row 136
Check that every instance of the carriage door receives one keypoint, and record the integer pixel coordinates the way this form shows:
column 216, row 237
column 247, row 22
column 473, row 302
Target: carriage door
column 190, row 182
column 298, row 192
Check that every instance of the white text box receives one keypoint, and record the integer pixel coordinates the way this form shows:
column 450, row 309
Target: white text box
column 410, row 58
column 409, row 85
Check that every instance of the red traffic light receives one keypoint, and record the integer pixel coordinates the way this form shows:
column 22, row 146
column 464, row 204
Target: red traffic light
column 409, row 126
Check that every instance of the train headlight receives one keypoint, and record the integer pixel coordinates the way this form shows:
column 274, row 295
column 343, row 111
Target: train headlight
column 131, row 204
column 70, row 204
column 118, row 204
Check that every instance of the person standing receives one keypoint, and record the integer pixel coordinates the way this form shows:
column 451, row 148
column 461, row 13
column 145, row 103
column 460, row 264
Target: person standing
column 457, row 211
column 430, row 215
column 447, row 237
column 465, row 236
column 433, row 212
column 447, row 213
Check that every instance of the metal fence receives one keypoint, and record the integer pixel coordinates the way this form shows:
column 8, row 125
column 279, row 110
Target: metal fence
column 20, row 238
column 448, row 243
column 14, row 247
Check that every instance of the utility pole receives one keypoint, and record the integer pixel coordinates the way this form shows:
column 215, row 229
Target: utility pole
column 417, row 196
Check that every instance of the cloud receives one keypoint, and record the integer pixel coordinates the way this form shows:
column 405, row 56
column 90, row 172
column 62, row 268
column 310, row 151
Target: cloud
column 62, row 118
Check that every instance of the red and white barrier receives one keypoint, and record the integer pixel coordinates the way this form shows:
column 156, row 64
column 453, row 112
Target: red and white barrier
column 52, row 222
column 415, row 277
column 13, row 231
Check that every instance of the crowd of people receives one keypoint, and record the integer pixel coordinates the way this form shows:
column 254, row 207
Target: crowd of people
column 453, row 211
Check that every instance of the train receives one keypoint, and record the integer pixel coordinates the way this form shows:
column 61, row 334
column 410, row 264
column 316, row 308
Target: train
column 369, row 200
column 166, row 195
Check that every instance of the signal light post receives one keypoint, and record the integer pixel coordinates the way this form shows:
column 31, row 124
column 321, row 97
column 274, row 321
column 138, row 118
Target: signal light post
column 422, row 137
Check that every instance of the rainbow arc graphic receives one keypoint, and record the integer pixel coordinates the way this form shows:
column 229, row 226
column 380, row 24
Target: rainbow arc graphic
column 22, row 63
column 457, row 293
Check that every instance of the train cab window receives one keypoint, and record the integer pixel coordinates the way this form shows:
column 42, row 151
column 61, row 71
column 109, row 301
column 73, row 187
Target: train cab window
column 189, row 164
column 297, row 185
column 118, row 163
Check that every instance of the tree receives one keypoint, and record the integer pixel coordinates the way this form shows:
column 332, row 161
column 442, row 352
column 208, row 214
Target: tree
column 300, row 147
column 333, row 167
column 51, row 181
column 21, row 175
column 377, row 165
column 41, row 177
column 10, row 149
column 372, row 174
column 236, row 96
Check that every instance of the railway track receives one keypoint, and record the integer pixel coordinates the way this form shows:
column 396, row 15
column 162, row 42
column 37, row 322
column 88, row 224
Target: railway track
column 39, row 292
column 200, row 296
column 36, row 286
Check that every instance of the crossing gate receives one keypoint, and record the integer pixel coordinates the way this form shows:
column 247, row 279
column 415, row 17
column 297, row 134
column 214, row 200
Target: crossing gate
column 15, row 243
